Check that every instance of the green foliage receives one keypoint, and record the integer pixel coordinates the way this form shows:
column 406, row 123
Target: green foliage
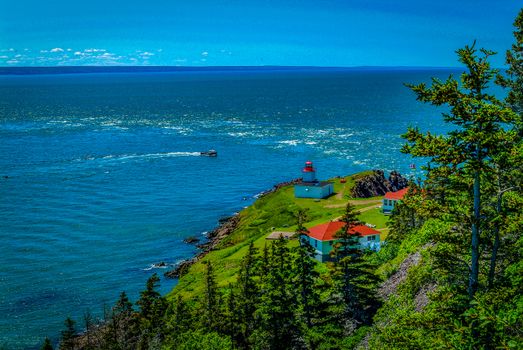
column 513, row 80
column 47, row 345
column 202, row 340
column 463, row 159
column 279, row 301
column 67, row 341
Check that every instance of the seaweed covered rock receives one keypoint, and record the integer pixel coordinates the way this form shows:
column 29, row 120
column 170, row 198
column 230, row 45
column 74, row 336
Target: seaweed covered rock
column 375, row 184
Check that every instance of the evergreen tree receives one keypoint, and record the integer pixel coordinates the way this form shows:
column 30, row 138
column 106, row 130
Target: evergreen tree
column 410, row 213
column 233, row 327
column 356, row 286
column 355, row 282
column 47, row 345
column 211, row 311
column 513, row 80
column 305, row 274
column 181, row 319
column 122, row 326
column 152, row 311
column 68, row 335
column 463, row 157
column 88, row 325
column 279, row 328
column 508, row 168
column 346, row 241
column 248, row 295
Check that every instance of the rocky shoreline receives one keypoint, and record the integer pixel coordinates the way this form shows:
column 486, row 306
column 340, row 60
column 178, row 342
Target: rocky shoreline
column 225, row 228
column 371, row 185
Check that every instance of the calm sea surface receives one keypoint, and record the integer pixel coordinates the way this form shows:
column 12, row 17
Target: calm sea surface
column 100, row 174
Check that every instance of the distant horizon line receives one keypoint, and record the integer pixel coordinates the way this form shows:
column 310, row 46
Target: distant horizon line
column 34, row 70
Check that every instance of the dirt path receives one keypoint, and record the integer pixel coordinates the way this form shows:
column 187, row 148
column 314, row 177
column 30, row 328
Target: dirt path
column 355, row 202
column 339, row 195
column 363, row 209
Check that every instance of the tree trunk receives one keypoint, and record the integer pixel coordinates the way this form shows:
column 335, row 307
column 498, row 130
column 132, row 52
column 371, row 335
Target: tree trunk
column 474, row 270
column 497, row 242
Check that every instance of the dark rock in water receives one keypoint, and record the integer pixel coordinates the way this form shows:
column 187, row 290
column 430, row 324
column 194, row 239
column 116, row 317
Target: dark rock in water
column 376, row 184
column 160, row 264
column 216, row 237
column 191, row 240
column 180, row 269
column 224, row 219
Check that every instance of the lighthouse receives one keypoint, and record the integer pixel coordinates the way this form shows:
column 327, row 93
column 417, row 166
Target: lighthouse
column 308, row 172
column 310, row 187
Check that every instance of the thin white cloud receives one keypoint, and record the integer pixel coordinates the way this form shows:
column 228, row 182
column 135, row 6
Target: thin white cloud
column 205, row 53
column 58, row 56
column 95, row 50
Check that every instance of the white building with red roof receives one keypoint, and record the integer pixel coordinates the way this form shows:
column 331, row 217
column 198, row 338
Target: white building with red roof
column 391, row 198
column 322, row 238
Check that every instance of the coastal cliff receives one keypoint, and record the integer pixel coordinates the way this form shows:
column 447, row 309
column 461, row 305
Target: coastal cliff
column 376, row 184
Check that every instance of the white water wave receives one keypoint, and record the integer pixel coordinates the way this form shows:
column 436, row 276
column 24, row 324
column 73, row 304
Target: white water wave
column 152, row 155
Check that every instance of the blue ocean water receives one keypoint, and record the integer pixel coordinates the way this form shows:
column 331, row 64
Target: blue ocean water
column 100, row 174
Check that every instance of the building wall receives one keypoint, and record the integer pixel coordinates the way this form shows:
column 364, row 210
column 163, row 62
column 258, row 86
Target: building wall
column 302, row 191
column 388, row 205
column 323, row 248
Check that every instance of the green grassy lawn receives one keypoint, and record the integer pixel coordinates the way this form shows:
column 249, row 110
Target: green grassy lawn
column 275, row 211
column 375, row 217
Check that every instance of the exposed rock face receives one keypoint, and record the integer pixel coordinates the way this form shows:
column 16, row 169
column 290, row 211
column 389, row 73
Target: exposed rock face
column 391, row 284
column 376, row 184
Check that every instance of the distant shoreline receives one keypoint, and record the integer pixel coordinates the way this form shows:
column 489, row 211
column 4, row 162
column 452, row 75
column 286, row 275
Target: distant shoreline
column 175, row 69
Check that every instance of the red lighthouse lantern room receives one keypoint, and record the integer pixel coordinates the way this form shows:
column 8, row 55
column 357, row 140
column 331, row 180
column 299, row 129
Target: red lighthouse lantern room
column 308, row 172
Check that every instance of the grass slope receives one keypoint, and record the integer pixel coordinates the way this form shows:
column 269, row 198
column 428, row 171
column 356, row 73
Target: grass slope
column 274, row 212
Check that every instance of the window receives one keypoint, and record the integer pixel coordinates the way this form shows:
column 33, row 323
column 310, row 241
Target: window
column 315, row 243
column 371, row 238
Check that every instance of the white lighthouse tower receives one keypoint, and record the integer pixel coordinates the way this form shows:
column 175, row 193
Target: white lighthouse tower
column 310, row 187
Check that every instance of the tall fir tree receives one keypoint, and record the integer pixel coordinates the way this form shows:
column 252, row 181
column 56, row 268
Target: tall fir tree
column 122, row 327
column 151, row 315
column 47, row 345
column 279, row 328
column 248, row 295
column 305, row 274
column 464, row 155
column 211, row 307
column 69, row 335
column 513, row 79
column 354, row 277
column 345, row 240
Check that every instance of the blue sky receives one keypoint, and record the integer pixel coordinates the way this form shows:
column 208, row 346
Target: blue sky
column 251, row 32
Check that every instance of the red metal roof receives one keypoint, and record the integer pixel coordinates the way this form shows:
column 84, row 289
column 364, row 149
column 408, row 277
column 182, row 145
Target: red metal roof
column 396, row 195
column 308, row 166
column 326, row 231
